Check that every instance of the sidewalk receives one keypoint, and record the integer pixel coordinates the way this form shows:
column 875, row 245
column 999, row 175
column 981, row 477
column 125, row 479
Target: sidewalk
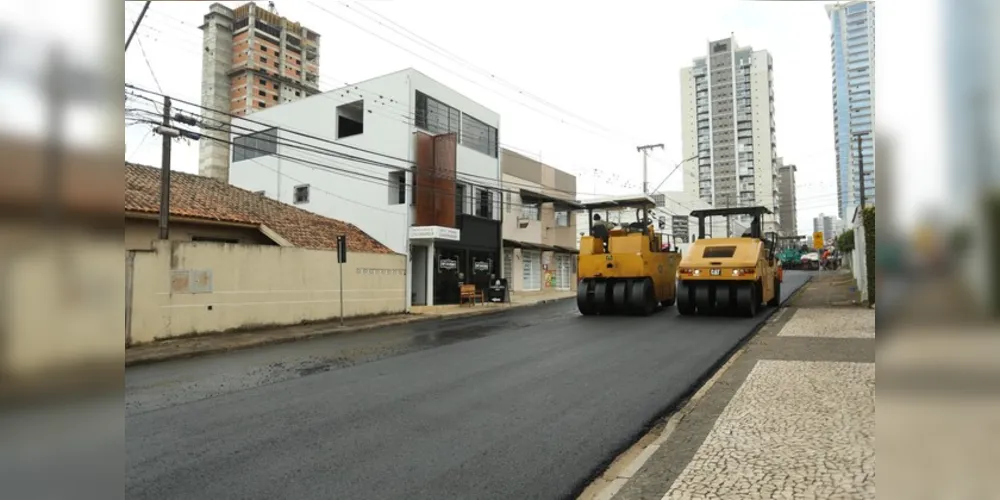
column 166, row 350
column 791, row 415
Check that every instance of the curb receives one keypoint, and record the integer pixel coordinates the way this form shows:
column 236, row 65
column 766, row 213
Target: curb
column 678, row 404
column 415, row 318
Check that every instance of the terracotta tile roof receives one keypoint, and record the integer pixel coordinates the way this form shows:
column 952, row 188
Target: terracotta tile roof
column 206, row 198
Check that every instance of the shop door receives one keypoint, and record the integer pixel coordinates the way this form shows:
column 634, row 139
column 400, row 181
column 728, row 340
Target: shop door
column 532, row 267
column 447, row 276
column 481, row 269
column 562, row 272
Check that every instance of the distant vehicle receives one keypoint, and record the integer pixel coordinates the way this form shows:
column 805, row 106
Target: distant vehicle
column 729, row 274
column 810, row 261
column 625, row 269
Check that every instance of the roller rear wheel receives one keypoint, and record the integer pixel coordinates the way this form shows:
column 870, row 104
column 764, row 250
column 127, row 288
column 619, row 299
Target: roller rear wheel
column 685, row 299
column 747, row 299
column 643, row 298
column 584, row 299
column 619, row 297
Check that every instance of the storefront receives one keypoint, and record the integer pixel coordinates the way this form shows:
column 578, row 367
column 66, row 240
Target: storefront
column 532, row 267
column 448, row 258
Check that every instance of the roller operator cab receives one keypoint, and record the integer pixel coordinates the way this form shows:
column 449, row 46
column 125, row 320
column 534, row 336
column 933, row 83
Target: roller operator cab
column 733, row 274
column 624, row 268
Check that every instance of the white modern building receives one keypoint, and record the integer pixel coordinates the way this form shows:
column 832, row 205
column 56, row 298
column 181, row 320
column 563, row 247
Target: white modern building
column 852, row 51
column 410, row 161
column 727, row 103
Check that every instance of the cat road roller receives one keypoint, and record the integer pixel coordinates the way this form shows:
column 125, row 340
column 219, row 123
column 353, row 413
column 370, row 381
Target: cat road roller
column 729, row 275
column 623, row 269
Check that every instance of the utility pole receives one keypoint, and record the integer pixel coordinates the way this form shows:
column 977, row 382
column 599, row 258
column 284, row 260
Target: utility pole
column 165, row 172
column 136, row 25
column 645, row 169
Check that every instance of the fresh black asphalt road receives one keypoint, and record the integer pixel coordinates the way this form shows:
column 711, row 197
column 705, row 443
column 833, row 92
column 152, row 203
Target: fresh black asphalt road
column 529, row 403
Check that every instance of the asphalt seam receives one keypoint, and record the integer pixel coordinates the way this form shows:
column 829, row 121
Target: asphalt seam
column 285, row 340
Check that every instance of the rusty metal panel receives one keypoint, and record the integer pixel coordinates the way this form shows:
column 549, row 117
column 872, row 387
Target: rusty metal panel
column 191, row 281
column 445, row 159
column 423, row 180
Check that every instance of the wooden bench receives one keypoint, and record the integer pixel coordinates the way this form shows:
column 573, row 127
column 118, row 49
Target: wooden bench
column 470, row 294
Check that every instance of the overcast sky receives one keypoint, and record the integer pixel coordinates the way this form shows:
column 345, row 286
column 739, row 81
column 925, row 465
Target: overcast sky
column 611, row 73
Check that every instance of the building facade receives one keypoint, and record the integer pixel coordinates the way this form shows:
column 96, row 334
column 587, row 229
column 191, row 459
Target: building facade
column 831, row 226
column 852, row 51
column 788, row 213
column 727, row 102
column 427, row 186
column 253, row 59
column 539, row 225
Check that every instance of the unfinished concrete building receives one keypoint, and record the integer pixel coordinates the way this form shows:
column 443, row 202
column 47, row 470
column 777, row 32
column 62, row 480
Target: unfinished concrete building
column 787, row 212
column 253, row 59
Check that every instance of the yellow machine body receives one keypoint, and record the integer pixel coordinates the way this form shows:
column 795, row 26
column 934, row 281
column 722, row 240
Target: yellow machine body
column 719, row 274
column 632, row 276
column 725, row 275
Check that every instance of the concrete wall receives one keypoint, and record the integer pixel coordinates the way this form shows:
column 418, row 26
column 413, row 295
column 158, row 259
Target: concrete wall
column 188, row 288
column 59, row 301
column 140, row 234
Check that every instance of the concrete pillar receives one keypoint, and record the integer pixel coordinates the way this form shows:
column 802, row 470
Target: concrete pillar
column 213, row 154
column 431, row 270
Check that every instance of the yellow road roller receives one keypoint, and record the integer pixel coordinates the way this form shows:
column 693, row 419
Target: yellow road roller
column 623, row 268
column 737, row 274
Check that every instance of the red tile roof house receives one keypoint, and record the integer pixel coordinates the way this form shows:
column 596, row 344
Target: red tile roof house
column 276, row 265
column 204, row 209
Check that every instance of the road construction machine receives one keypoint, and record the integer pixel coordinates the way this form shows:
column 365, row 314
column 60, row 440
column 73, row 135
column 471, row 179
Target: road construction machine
column 732, row 274
column 624, row 268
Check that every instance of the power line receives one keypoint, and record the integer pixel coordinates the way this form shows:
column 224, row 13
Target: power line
column 136, row 25
column 492, row 76
column 408, row 163
column 378, row 180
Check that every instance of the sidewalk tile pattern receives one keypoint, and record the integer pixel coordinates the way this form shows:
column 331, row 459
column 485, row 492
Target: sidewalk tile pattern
column 831, row 323
column 777, row 439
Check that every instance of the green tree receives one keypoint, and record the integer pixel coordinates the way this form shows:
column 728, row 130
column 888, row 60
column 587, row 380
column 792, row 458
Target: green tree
column 845, row 242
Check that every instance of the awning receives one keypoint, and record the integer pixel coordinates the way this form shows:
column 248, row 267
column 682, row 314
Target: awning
column 529, row 246
column 567, row 249
column 534, row 197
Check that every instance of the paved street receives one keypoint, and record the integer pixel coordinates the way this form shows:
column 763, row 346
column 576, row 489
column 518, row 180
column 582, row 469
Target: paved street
column 527, row 404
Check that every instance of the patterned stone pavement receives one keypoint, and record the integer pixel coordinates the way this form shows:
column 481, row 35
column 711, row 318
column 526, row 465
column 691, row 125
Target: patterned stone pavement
column 793, row 416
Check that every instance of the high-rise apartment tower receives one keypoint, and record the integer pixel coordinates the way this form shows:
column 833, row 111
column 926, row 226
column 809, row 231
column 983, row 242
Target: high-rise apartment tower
column 727, row 102
column 252, row 59
column 852, row 51
column 787, row 199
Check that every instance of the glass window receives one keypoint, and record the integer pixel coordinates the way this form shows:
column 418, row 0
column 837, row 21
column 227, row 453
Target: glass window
column 435, row 116
column 479, row 136
column 263, row 143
